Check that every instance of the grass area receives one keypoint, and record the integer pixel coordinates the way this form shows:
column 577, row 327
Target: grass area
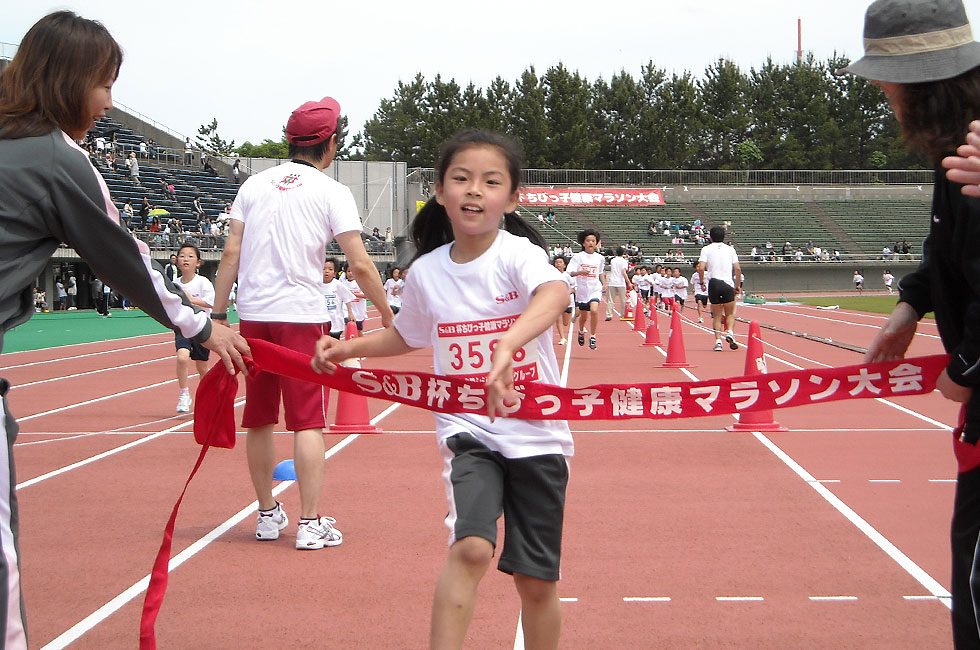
column 875, row 304
column 72, row 327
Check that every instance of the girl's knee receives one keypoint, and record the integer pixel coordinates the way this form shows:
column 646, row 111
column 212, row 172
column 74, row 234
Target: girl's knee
column 473, row 552
column 535, row 590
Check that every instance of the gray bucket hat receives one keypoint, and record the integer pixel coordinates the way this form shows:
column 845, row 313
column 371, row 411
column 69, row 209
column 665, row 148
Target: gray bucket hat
column 915, row 41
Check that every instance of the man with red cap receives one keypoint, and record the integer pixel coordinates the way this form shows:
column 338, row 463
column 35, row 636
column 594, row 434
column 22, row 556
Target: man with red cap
column 281, row 222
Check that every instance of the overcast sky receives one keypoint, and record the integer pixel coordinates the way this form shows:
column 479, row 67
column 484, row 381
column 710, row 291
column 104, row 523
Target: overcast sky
column 249, row 63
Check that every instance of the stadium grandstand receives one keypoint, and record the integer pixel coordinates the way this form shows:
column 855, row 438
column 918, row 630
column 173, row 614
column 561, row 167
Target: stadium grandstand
column 852, row 218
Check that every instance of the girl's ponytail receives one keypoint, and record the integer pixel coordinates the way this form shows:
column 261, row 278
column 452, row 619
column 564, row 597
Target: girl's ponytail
column 515, row 225
column 431, row 228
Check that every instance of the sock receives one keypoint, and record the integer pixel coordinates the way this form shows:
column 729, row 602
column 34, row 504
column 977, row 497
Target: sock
column 185, row 390
column 272, row 509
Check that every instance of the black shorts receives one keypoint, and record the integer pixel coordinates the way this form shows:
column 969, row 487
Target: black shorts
column 679, row 300
column 395, row 309
column 569, row 310
column 645, row 294
column 198, row 351
column 530, row 492
column 701, row 298
column 337, row 335
column 587, row 306
column 720, row 292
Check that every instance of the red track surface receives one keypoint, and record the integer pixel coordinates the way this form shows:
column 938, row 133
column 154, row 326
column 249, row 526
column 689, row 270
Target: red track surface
column 683, row 513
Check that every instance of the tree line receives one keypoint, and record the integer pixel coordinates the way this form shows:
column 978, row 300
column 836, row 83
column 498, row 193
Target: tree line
column 798, row 115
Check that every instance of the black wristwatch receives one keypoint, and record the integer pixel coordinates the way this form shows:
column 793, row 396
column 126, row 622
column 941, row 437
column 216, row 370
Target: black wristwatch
column 217, row 316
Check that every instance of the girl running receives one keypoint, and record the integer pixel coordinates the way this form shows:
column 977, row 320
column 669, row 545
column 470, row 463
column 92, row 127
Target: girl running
column 338, row 297
column 468, row 270
column 200, row 292
column 565, row 320
column 589, row 270
column 393, row 287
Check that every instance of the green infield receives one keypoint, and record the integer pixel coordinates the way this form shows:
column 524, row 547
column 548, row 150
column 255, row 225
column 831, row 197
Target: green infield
column 59, row 328
column 875, row 304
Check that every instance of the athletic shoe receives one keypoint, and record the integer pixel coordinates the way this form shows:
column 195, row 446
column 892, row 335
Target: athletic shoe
column 592, row 342
column 581, row 338
column 718, row 346
column 270, row 523
column 184, row 402
column 730, row 337
column 562, row 342
column 700, row 320
column 317, row 533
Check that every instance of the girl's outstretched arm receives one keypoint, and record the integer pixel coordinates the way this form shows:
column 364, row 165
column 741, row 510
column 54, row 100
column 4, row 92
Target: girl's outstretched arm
column 330, row 351
column 549, row 301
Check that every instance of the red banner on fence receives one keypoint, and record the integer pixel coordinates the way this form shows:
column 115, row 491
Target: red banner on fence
column 591, row 196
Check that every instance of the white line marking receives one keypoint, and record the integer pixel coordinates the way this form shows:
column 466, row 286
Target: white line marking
column 76, row 631
column 568, row 600
column 942, row 480
column 835, row 320
column 903, row 560
column 105, row 454
column 739, row 599
column 945, row 599
column 884, row 480
column 646, row 599
column 90, row 372
column 80, row 356
column 827, row 480
column 96, row 400
column 832, row 598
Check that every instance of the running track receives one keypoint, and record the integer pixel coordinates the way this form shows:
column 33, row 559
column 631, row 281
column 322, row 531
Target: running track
column 831, row 535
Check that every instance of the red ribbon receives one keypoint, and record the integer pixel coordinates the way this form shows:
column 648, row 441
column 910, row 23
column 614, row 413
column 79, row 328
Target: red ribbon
column 214, row 416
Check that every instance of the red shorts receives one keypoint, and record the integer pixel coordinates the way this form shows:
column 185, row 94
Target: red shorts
column 305, row 403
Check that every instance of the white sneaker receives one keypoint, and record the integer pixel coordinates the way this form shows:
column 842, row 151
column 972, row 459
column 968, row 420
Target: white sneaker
column 184, row 402
column 562, row 342
column 270, row 523
column 700, row 320
column 317, row 533
column 718, row 346
column 730, row 337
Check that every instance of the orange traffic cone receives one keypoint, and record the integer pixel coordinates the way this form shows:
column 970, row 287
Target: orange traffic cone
column 653, row 330
column 352, row 410
column 676, row 356
column 628, row 309
column 640, row 321
column 755, row 364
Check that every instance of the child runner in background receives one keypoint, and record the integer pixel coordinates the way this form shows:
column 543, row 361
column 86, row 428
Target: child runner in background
column 393, row 287
column 679, row 283
column 641, row 279
column 565, row 320
column 655, row 285
column 338, row 298
column 200, row 292
column 889, row 280
column 358, row 307
column 468, row 270
column 665, row 285
column 858, row 282
column 699, row 285
column 618, row 283
column 588, row 268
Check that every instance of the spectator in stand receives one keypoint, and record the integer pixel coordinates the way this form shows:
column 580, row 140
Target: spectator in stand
column 71, row 288
column 896, row 251
column 799, row 254
column 62, row 295
column 551, row 216
column 196, row 207
column 652, row 227
column 906, row 249
column 188, row 152
column 144, row 150
column 787, row 252
column 134, row 168
column 171, row 270
column 128, row 213
column 235, row 170
column 886, row 252
column 389, row 239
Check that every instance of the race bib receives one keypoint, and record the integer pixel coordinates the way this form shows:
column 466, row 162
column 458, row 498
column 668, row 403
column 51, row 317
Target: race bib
column 331, row 299
column 590, row 270
column 466, row 350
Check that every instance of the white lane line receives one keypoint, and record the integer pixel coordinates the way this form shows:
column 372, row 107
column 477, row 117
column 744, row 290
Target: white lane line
column 105, row 454
column 90, row 372
column 646, row 599
column 128, row 430
column 944, row 599
column 827, row 480
column 942, row 480
column 913, row 569
column 739, row 599
column 76, row 631
column 568, row 600
column 884, row 480
column 79, row 356
column 96, row 400
column 832, row 598
column 834, row 320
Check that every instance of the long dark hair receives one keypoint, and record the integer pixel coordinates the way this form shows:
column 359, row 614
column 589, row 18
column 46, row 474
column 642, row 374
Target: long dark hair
column 431, row 227
column 936, row 114
column 59, row 61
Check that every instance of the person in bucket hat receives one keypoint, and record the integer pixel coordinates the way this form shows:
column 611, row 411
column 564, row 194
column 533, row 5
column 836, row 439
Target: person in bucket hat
column 923, row 57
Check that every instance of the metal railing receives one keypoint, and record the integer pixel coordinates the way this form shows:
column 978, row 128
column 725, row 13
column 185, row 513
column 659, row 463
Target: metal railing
column 711, row 177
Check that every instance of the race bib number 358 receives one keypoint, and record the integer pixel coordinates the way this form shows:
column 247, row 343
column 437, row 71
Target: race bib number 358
column 466, row 350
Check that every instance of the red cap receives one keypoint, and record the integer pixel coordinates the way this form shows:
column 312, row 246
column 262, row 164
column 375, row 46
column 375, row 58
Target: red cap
column 313, row 122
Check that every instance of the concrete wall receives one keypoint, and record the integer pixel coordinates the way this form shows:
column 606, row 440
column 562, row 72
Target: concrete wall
column 689, row 194
column 789, row 277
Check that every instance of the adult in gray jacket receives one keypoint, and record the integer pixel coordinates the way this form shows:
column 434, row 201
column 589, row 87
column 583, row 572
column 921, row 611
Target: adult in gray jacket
column 60, row 82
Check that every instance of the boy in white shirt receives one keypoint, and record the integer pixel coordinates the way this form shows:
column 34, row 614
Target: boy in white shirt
column 200, row 292
column 358, row 307
column 338, row 298
column 588, row 268
column 679, row 285
column 699, row 284
column 722, row 268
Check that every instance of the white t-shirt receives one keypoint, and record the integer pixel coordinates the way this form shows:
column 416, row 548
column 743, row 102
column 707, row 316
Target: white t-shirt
column 696, row 285
column 460, row 310
column 719, row 259
column 357, row 305
column 570, row 281
column 858, row 278
column 617, row 270
column 589, row 286
column 337, row 295
column 393, row 288
column 198, row 287
column 680, row 287
column 888, row 278
column 290, row 213
column 665, row 284
column 655, row 282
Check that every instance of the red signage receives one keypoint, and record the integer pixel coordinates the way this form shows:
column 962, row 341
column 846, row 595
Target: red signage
column 591, row 196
